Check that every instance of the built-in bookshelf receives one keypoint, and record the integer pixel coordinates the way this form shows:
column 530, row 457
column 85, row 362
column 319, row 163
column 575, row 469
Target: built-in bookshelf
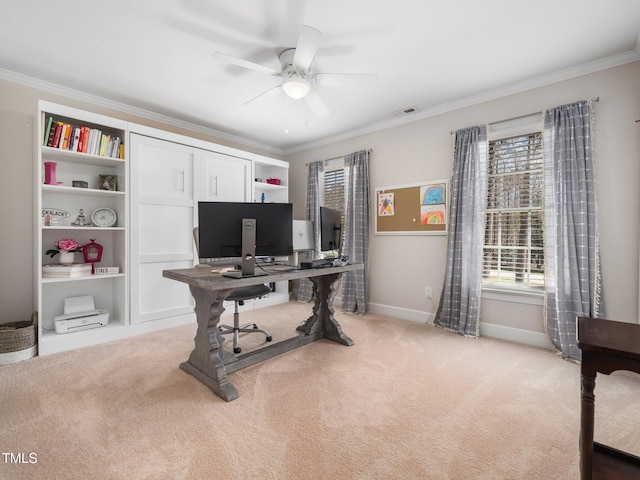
column 270, row 180
column 81, row 167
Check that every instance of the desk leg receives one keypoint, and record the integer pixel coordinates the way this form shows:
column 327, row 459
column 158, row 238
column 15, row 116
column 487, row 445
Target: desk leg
column 587, row 407
column 208, row 358
column 322, row 318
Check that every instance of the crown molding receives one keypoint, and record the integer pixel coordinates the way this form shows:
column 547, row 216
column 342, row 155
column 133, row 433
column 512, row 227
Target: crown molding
column 519, row 87
column 536, row 82
column 56, row 89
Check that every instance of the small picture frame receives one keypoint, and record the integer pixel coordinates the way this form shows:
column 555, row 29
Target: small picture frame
column 108, row 182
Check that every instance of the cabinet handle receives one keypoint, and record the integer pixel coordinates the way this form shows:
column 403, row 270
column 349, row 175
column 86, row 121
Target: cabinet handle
column 212, row 179
column 181, row 181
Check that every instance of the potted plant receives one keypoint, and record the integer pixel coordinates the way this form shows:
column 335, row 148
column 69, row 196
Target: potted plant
column 66, row 248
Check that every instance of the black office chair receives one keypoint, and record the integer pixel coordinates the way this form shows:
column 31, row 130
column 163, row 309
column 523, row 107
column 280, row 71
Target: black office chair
column 238, row 296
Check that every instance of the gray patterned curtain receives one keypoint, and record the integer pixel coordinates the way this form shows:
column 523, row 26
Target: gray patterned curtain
column 459, row 308
column 304, row 291
column 573, row 281
column 356, row 244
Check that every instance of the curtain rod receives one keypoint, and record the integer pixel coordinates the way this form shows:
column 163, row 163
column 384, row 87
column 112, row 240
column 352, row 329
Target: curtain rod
column 597, row 99
column 339, row 156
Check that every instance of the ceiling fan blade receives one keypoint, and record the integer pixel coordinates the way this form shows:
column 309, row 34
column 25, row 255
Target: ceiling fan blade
column 307, row 46
column 319, row 108
column 332, row 79
column 269, row 93
column 240, row 62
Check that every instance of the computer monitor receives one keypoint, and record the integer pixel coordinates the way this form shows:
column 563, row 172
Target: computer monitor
column 245, row 230
column 330, row 229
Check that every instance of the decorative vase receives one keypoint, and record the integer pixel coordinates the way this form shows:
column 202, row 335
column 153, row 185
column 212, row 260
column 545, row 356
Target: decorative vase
column 66, row 258
column 50, row 173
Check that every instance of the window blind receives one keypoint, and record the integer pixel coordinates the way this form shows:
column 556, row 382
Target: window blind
column 334, row 189
column 513, row 243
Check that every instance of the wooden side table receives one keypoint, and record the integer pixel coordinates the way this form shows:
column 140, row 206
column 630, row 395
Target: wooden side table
column 606, row 346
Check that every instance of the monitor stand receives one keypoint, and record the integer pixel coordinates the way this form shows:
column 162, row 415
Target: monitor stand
column 249, row 251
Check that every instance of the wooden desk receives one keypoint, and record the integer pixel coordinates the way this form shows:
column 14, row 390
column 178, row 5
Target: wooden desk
column 606, row 346
column 210, row 363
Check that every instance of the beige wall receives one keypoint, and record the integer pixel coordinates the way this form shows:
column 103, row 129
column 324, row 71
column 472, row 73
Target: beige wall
column 401, row 266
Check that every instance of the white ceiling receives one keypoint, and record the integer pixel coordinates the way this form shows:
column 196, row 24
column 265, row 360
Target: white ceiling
column 156, row 55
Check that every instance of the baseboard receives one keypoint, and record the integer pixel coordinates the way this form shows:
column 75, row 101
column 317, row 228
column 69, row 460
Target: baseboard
column 518, row 335
column 161, row 324
column 404, row 313
column 511, row 334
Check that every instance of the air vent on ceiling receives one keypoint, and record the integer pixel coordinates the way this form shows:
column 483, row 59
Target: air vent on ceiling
column 405, row 111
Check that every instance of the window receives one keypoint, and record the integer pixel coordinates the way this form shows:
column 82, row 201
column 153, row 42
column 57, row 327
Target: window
column 334, row 189
column 513, row 254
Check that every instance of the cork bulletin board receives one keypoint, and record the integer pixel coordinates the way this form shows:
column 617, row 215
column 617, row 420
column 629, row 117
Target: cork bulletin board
column 416, row 209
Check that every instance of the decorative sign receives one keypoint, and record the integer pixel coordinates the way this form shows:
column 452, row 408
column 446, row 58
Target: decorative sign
column 54, row 217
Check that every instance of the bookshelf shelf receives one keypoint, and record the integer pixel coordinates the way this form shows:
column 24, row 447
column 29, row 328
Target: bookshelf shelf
column 56, row 154
column 110, row 291
column 84, row 278
column 61, row 189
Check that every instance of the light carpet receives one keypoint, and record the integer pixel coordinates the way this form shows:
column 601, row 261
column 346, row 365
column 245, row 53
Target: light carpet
column 407, row 401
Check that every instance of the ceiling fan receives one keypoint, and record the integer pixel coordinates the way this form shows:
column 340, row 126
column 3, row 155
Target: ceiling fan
column 298, row 79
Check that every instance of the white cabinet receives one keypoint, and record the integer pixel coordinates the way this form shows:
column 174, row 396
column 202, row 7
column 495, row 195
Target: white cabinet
column 162, row 216
column 63, row 210
column 223, row 178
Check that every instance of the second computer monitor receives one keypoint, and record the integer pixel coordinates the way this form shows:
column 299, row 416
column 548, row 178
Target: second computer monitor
column 330, row 229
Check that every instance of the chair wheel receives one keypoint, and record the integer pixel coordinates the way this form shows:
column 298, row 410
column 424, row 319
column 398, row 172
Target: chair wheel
column 269, row 338
column 237, row 350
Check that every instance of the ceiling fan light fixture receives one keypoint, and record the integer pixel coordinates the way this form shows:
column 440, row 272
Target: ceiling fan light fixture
column 296, row 87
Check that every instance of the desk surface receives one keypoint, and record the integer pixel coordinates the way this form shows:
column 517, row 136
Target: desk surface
column 606, row 336
column 204, row 278
column 606, row 346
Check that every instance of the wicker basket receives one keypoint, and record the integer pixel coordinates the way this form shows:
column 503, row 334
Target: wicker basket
column 18, row 340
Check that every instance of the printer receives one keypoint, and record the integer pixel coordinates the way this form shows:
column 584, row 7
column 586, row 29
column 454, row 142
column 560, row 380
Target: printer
column 80, row 313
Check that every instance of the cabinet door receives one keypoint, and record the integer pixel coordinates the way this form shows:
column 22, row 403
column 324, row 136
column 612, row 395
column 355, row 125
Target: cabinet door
column 162, row 214
column 224, row 178
column 165, row 169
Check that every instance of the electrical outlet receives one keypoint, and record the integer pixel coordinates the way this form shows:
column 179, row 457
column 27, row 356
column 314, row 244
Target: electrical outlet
column 427, row 292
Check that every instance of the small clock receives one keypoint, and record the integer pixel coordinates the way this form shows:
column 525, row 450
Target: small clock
column 104, row 217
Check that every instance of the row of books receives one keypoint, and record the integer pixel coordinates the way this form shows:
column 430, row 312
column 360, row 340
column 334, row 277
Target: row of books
column 59, row 270
column 82, row 139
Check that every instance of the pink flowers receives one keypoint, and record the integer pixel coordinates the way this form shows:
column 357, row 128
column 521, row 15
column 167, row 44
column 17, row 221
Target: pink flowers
column 67, row 245
column 64, row 245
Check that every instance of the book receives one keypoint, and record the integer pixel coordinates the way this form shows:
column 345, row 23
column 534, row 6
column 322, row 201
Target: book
column 59, row 270
column 64, row 137
column 47, row 133
column 73, row 142
column 57, row 135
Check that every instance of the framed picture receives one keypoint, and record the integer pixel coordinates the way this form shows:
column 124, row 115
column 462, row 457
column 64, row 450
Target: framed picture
column 108, row 182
